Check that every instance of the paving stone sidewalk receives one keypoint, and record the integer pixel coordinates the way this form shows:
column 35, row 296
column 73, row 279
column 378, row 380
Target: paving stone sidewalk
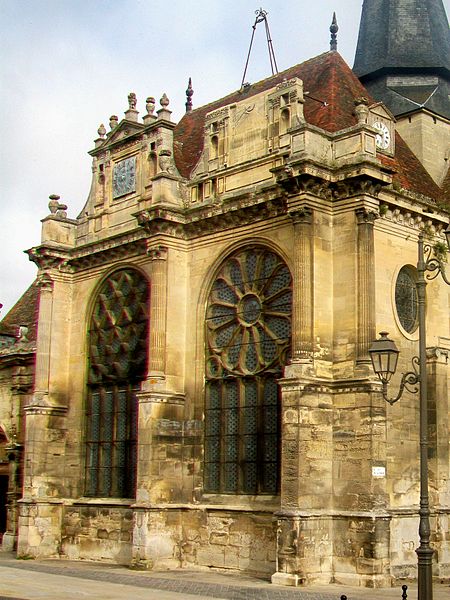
column 27, row 580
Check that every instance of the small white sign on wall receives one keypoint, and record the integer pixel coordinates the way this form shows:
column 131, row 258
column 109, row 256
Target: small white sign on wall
column 378, row 471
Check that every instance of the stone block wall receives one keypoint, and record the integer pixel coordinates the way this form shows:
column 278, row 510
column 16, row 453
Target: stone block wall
column 205, row 537
column 361, row 551
column 97, row 533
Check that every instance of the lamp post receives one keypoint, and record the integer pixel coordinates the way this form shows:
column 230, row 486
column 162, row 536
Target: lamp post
column 384, row 356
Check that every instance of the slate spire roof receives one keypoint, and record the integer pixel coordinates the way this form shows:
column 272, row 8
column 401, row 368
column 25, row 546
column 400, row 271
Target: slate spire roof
column 403, row 54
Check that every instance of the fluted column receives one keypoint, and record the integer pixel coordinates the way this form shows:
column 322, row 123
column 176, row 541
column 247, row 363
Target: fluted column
column 302, row 305
column 158, row 311
column 366, row 283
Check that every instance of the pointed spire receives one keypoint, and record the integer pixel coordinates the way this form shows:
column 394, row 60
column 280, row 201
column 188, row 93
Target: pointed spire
column 334, row 28
column 411, row 34
column 189, row 94
column 403, row 54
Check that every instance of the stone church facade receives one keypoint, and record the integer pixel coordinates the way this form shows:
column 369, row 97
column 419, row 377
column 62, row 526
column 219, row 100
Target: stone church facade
column 203, row 394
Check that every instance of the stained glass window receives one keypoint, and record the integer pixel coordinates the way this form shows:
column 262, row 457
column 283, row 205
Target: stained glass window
column 117, row 363
column 248, row 331
column 406, row 302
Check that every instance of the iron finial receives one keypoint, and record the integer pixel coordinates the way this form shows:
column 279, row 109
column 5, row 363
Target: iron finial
column 189, row 94
column 334, row 28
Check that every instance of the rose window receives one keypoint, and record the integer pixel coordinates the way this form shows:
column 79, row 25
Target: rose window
column 249, row 314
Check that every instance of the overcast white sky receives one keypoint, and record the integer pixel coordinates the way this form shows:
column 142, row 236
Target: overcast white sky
column 67, row 65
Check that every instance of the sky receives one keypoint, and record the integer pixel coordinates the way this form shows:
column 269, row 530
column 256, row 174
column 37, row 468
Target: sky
column 67, row 65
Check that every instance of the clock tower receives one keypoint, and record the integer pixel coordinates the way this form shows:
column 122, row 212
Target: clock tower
column 403, row 59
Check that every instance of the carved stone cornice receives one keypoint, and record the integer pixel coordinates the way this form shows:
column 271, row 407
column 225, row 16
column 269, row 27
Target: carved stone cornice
column 90, row 255
column 357, row 186
column 207, row 220
column 306, row 176
column 414, row 219
column 47, row 257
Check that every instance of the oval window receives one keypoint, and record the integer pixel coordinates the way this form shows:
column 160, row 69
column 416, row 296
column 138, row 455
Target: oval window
column 406, row 301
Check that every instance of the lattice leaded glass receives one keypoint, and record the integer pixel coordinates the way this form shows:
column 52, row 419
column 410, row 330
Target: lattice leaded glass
column 406, row 301
column 117, row 362
column 248, row 329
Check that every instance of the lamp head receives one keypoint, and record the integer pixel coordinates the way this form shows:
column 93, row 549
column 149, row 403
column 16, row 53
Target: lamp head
column 384, row 356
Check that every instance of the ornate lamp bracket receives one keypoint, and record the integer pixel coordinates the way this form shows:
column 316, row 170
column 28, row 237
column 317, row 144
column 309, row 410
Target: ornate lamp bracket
column 410, row 381
column 434, row 265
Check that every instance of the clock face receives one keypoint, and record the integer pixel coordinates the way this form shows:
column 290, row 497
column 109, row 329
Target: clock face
column 383, row 138
column 124, row 177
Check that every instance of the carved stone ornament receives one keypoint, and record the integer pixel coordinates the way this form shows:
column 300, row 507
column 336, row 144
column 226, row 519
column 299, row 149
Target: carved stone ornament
column 150, row 105
column 165, row 161
column 132, row 100
column 124, row 177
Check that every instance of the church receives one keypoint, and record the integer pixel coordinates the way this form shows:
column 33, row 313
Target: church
column 188, row 383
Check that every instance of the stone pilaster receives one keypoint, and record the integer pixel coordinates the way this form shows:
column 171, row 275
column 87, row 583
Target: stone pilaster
column 304, row 541
column 438, row 364
column 14, row 453
column 302, row 301
column 42, row 369
column 165, row 468
column 41, row 507
column 158, row 311
column 366, row 284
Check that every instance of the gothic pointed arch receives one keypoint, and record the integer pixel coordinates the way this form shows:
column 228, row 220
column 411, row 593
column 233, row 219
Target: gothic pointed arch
column 248, row 339
column 117, row 363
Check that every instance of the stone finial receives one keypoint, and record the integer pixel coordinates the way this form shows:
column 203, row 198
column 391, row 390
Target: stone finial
column 101, row 131
column 164, row 101
column 113, row 121
column 164, row 113
column 189, row 94
column 362, row 110
column 54, row 203
column 132, row 101
column 334, row 28
column 150, row 104
column 56, row 208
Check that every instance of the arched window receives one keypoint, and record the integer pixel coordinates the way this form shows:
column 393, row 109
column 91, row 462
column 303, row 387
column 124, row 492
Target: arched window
column 117, row 363
column 248, row 331
column 214, row 146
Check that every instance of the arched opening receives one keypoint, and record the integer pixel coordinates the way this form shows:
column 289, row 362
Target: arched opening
column 285, row 121
column 214, row 146
column 248, row 338
column 118, row 336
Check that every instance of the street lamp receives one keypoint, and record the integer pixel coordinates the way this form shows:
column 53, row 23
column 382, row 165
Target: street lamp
column 384, row 356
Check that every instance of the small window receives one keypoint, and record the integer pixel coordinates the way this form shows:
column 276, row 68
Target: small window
column 406, row 302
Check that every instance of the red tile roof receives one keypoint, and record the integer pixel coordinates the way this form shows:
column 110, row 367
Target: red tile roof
column 23, row 313
column 328, row 78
